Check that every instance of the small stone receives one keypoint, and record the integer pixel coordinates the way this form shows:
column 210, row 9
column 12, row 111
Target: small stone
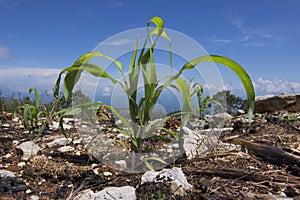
column 122, row 164
column 77, row 141
column 5, row 173
column 28, row 191
column 34, row 197
column 109, row 193
column 122, row 136
column 96, row 171
column 240, row 112
column 29, row 149
column 98, row 127
column 220, row 119
column 94, row 165
column 59, row 142
column 66, row 149
column 7, row 155
column 21, row 164
column 5, row 125
column 87, row 194
column 119, row 122
column 114, row 130
column 68, row 120
column 55, row 125
column 107, row 174
column 15, row 142
column 16, row 119
column 175, row 176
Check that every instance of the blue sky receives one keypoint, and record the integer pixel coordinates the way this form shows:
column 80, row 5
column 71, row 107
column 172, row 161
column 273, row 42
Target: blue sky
column 39, row 38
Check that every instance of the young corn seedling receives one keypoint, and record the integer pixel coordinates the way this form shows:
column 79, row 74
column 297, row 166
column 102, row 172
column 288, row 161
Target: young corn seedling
column 34, row 113
column 202, row 102
column 140, row 127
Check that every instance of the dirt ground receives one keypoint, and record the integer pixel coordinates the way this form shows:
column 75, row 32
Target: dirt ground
column 266, row 166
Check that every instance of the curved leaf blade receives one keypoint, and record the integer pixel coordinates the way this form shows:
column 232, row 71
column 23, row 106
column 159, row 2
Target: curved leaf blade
column 235, row 67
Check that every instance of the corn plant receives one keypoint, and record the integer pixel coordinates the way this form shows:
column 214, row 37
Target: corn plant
column 142, row 64
column 202, row 102
column 32, row 113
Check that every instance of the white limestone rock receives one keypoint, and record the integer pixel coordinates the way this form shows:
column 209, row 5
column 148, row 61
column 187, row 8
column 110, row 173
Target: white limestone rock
column 199, row 143
column 55, row 125
column 175, row 175
column 110, row 193
column 271, row 103
column 66, row 149
column 59, row 142
column 5, row 173
column 29, row 149
column 219, row 120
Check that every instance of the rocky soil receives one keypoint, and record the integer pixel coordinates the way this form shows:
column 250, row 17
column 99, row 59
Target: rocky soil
column 260, row 161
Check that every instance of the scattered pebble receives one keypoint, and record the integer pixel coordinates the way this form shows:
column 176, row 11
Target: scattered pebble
column 29, row 149
column 66, row 149
column 107, row 174
column 5, row 125
column 21, row 164
column 59, row 142
column 122, row 164
column 5, row 173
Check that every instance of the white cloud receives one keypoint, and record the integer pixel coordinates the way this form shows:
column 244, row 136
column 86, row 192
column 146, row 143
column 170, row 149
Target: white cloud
column 255, row 44
column 213, row 88
column 20, row 79
column 4, row 52
column 226, row 41
column 261, row 86
column 246, row 36
column 7, row 72
column 239, row 23
column 119, row 42
column 264, row 87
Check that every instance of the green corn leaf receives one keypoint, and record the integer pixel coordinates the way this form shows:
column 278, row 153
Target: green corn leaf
column 26, row 115
column 161, row 138
column 97, row 71
column 159, row 22
column 148, row 165
column 184, row 87
column 134, row 71
column 173, row 134
column 73, row 73
column 145, row 160
column 130, row 134
column 235, row 67
column 85, row 58
column 159, row 30
column 37, row 96
column 70, row 80
column 66, row 112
